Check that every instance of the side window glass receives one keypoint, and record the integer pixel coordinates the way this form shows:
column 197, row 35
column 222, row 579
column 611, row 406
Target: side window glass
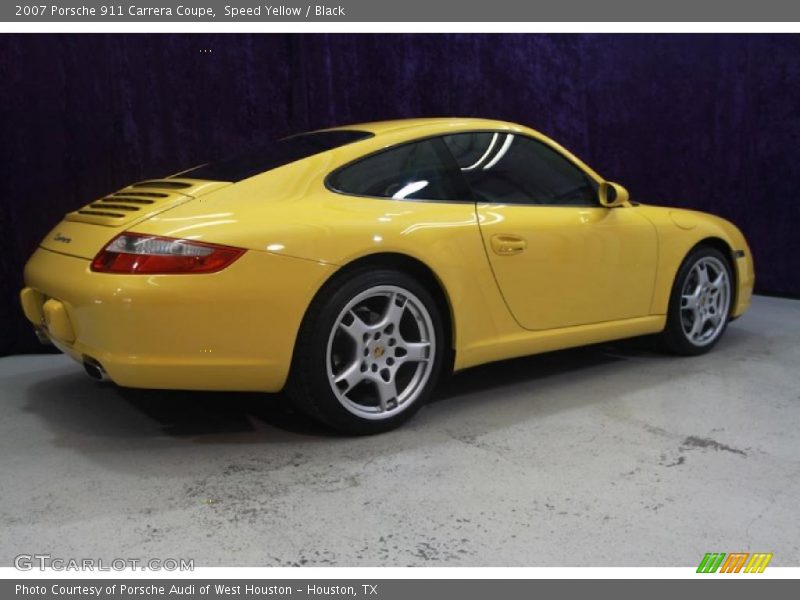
column 506, row 168
column 422, row 170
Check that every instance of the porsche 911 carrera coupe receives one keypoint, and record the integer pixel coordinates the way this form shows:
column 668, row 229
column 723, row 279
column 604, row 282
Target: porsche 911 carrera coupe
column 353, row 267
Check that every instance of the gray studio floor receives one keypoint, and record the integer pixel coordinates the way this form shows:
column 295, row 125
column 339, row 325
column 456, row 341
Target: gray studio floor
column 609, row 455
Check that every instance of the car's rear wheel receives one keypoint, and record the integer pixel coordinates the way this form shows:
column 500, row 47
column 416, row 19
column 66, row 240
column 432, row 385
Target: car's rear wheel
column 700, row 304
column 369, row 352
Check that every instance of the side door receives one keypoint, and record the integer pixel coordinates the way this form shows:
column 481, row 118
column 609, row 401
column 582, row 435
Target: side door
column 559, row 258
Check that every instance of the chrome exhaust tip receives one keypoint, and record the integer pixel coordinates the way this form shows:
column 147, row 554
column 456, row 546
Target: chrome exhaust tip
column 94, row 369
column 41, row 335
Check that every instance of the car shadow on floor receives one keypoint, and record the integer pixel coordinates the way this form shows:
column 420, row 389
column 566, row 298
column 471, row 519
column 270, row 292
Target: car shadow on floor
column 74, row 404
column 489, row 377
column 202, row 413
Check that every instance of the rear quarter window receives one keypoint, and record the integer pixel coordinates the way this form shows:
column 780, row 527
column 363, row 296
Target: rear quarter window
column 422, row 170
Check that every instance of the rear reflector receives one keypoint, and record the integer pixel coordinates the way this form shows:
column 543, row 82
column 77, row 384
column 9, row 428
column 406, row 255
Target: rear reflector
column 135, row 253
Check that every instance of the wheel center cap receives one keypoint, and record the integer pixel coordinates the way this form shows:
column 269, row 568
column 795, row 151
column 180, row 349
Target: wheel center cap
column 378, row 351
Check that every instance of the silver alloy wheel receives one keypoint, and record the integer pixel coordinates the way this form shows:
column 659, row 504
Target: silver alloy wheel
column 705, row 300
column 381, row 352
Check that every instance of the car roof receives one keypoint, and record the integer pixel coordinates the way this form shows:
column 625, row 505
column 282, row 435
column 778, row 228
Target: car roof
column 429, row 124
column 401, row 130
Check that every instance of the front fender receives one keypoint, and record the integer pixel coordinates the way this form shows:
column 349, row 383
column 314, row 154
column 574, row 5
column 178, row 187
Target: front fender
column 679, row 231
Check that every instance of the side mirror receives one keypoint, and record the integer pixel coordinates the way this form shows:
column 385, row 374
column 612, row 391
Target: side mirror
column 612, row 194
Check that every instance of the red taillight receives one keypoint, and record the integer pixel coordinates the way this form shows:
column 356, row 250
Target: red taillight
column 135, row 253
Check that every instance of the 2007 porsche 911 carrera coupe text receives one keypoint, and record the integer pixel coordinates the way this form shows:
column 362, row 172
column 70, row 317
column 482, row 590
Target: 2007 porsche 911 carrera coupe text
column 354, row 266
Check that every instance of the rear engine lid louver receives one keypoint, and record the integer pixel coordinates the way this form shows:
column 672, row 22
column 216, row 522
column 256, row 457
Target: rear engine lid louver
column 86, row 231
column 140, row 201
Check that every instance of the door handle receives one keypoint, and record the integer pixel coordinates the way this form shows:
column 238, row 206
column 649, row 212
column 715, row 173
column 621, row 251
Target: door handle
column 506, row 245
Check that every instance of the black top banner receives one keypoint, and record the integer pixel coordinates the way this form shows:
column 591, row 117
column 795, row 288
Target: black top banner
column 219, row 11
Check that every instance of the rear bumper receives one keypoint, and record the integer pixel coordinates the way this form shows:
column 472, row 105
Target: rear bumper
column 232, row 330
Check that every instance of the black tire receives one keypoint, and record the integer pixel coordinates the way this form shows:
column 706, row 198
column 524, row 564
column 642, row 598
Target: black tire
column 674, row 338
column 308, row 387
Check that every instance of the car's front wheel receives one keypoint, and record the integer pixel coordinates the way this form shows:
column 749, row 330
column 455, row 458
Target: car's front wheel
column 369, row 352
column 700, row 303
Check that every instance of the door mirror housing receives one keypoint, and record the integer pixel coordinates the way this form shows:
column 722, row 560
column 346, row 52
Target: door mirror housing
column 612, row 194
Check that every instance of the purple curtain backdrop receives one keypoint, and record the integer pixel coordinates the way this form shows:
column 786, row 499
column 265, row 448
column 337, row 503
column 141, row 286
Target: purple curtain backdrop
column 703, row 121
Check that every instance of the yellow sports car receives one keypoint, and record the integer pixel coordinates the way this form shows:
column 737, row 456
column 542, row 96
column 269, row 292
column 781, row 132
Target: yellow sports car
column 352, row 267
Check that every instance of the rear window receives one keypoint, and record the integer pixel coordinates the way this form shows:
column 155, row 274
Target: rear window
column 276, row 154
